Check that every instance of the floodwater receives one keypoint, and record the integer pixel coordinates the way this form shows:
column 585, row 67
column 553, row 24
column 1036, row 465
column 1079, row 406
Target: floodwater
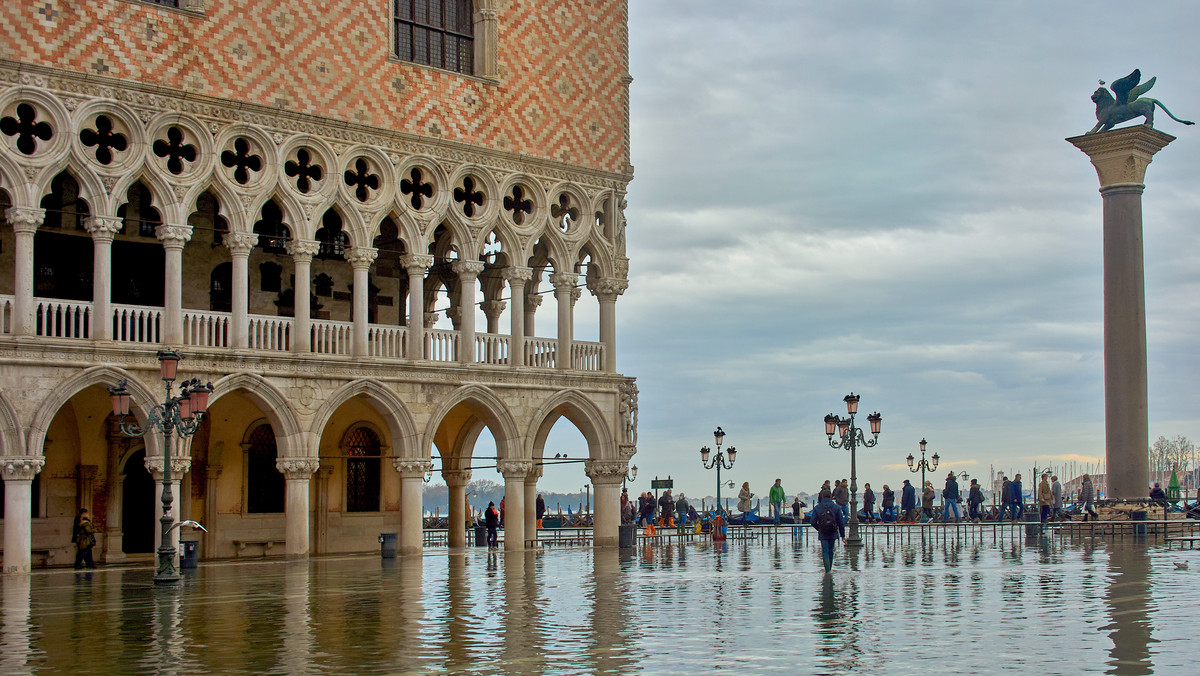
column 1044, row 607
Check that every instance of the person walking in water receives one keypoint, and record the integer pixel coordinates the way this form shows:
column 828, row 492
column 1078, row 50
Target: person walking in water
column 1056, row 490
column 1045, row 498
column 744, row 496
column 841, row 496
column 830, row 523
column 491, row 518
column 950, row 498
column 1018, row 498
column 927, row 498
column 975, row 500
column 776, row 498
column 1005, row 496
column 84, row 536
column 541, row 510
column 908, row 501
column 1086, row 495
column 888, row 506
column 681, row 510
column 666, row 510
column 868, row 503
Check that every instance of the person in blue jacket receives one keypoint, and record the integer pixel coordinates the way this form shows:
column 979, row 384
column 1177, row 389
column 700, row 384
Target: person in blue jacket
column 1017, row 499
column 830, row 522
column 950, row 500
column 908, row 502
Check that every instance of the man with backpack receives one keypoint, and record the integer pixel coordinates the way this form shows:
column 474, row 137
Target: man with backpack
column 830, row 523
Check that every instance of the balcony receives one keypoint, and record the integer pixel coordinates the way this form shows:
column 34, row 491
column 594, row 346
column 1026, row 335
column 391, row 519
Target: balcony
column 139, row 324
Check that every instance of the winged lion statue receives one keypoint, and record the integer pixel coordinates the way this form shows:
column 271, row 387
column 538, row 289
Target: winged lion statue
column 1126, row 102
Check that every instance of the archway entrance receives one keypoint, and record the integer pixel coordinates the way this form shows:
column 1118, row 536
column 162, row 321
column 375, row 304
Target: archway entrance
column 137, row 493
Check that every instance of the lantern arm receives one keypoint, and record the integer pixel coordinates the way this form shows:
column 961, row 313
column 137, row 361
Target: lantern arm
column 864, row 441
column 154, row 421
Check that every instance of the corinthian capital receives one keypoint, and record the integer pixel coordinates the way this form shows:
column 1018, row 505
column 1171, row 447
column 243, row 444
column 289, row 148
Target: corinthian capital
column 608, row 288
column 415, row 263
column 515, row 469
column 240, row 243
column 302, row 250
column 102, row 228
column 24, row 220
column 412, row 467
column 516, row 273
column 173, row 236
column 361, row 257
column 297, row 468
column 20, row 467
column 564, row 280
column 179, row 466
column 467, row 270
column 605, row 471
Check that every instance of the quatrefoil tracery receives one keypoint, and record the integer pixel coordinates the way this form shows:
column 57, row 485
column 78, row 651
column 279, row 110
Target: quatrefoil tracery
column 362, row 180
column 304, row 169
column 564, row 213
column 105, row 138
column 242, row 161
column 417, row 188
column 469, row 197
column 518, row 204
column 175, row 150
column 26, row 128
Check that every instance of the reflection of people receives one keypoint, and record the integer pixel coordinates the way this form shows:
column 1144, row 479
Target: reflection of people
column 492, row 519
column 776, row 498
column 830, row 523
column 84, row 535
column 744, row 496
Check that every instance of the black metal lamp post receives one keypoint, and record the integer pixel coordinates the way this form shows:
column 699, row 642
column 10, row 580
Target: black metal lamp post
column 718, row 461
column 630, row 475
column 851, row 437
column 176, row 415
column 923, row 464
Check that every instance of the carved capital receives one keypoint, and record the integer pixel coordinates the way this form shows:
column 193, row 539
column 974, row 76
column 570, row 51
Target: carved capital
column 361, row 257
column 516, row 276
column 413, row 467
column 303, row 250
column 1121, row 156
column 24, row 220
column 467, row 270
column 431, row 319
column 173, row 236
column 576, row 294
column 102, row 228
column 533, row 301
column 626, row 451
column 297, row 468
column 493, row 308
column 563, row 281
column 21, row 467
column 605, row 471
column 534, row 474
column 179, row 466
column 416, row 263
column 514, row 469
column 456, row 477
column 608, row 288
column 240, row 243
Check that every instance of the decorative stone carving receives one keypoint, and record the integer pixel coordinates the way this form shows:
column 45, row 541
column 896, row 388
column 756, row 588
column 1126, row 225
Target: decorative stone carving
column 467, row 271
column 564, row 280
column 102, row 228
column 303, row 250
column 431, row 319
column 416, row 262
column 456, row 477
column 179, row 466
column 20, row 467
column 605, row 471
column 608, row 288
column 361, row 257
column 24, row 220
column 173, row 236
column 516, row 273
column 533, row 301
column 240, row 243
column 536, row 473
column 514, row 469
column 412, row 467
column 629, row 411
column 297, row 468
column 493, row 308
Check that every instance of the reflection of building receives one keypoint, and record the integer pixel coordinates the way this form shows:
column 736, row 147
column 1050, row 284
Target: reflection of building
column 347, row 217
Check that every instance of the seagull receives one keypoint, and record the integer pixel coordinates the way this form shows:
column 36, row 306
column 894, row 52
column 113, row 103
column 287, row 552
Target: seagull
column 193, row 524
column 1181, row 565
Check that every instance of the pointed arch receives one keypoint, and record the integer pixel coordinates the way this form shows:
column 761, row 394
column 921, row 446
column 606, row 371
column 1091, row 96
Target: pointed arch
column 402, row 428
column 289, row 432
column 587, row 417
column 487, row 406
column 143, row 401
column 10, row 429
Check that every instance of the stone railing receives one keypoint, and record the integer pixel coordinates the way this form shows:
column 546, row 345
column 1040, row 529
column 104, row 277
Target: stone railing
column 491, row 348
column 206, row 329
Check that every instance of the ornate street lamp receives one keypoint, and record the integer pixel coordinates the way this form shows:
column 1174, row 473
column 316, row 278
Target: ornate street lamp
column 718, row 461
column 176, row 415
column 850, row 437
column 630, row 475
column 923, row 464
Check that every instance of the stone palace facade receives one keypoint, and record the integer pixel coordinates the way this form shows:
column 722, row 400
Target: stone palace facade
column 346, row 215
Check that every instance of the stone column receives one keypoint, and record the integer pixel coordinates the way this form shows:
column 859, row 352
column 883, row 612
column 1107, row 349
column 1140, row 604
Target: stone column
column 564, row 292
column 412, row 474
column 103, row 230
column 606, row 476
column 302, row 251
column 456, row 482
column 18, row 473
column 1120, row 157
column 173, row 238
column 492, row 309
column 532, row 302
column 297, row 472
column 417, row 265
column 86, row 477
column 531, row 529
column 208, row 539
column 179, row 467
column 361, row 259
column 468, row 272
column 24, row 222
column 514, row 472
column 606, row 291
column 487, row 34
column 324, row 474
column 516, row 278
column 240, row 244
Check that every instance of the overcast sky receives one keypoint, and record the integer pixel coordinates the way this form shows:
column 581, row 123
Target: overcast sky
column 876, row 197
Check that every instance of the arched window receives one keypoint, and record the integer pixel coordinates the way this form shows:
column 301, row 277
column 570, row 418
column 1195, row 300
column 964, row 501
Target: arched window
column 438, row 33
column 220, row 292
column 362, row 470
column 264, row 482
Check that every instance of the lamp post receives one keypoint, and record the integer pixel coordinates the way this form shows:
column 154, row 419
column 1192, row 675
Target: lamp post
column 923, row 465
column 176, row 415
column 851, row 437
column 718, row 461
column 630, row 475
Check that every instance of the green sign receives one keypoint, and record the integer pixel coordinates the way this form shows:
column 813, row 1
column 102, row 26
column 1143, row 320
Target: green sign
column 656, row 484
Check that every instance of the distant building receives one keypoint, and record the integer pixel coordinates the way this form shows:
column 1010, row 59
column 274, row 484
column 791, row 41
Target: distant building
column 346, row 215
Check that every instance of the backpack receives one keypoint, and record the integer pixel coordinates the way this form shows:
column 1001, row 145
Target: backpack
column 826, row 522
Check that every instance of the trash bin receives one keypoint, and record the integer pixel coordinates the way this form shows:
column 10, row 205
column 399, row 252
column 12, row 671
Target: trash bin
column 1033, row 523
column 1138, row 515
column 627, row 535
column 480, row 536
column 189, row 554
column 388, row 543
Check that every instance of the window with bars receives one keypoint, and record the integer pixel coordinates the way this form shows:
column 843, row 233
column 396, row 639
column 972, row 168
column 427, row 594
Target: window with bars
column 362, row 471
column 436, row 33
column 264, row 482
column 164, row 3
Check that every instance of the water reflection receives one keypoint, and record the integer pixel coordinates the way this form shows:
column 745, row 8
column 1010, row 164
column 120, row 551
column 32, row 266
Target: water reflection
column 746, row 606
